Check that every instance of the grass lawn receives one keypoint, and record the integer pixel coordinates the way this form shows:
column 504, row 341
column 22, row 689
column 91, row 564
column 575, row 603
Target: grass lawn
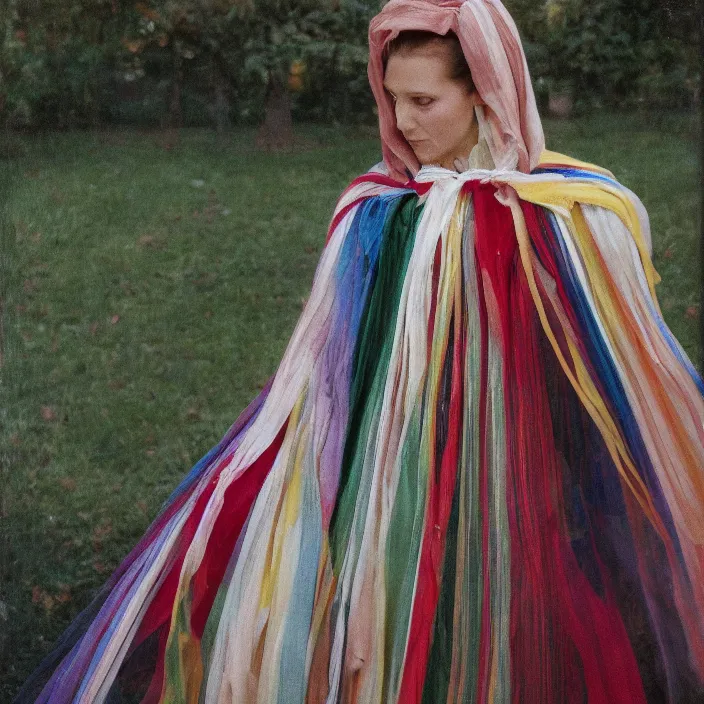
column 152, row 288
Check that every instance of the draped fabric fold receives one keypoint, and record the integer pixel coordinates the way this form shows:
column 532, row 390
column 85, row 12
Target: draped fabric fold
column 476, row 476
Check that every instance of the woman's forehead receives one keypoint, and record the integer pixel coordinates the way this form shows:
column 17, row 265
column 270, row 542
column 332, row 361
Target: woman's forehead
column 416, row 70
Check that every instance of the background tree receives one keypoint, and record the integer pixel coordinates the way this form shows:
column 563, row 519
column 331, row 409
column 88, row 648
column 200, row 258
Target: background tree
column 83, row 63
column 292, row 44
column 620, row 53
column 55, row 60
column 267, row 51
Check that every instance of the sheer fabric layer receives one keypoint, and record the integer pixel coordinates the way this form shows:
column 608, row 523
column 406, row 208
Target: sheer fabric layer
column 476, row 476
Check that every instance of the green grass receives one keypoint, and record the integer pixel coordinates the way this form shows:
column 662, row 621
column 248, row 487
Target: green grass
column 145, row 310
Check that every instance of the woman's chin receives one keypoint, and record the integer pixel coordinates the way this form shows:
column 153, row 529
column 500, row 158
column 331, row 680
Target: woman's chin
column 426, row 157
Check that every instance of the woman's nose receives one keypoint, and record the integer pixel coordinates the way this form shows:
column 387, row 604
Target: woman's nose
column 404, row 118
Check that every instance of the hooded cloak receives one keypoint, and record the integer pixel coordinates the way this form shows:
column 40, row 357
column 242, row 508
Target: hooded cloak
column 494, row 54
column 477, row 474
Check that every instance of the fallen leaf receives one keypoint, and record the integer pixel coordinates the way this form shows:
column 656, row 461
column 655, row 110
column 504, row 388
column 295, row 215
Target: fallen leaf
column 115, row 319
column 692, row 312
column 64, row 595
column 150, row 452
column 208, row 314
column 47, row 601
column 206, row 278
column 142, row 506
column 83, row 515
column 151, row 242
column 100, row 532
column 41, row 596
column 193, row 414
column 116, row 384
column 48, row 413
column 100, row 567
column 93, row 328
column 36, row 237
column 15, row 439
column 30, row 285
column 68, row 483
column 667, row 253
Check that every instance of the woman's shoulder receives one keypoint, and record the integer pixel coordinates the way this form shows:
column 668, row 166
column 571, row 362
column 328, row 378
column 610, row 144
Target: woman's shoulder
column 555, row 162
column 373, row 182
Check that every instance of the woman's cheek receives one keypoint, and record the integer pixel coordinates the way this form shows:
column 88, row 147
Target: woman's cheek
column 442, row 116
column 435, row 119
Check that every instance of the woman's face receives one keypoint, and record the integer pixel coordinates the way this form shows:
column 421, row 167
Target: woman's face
column 434, row 112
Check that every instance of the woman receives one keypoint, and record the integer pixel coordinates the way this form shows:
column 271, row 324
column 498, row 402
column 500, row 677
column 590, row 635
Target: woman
column 477, row 474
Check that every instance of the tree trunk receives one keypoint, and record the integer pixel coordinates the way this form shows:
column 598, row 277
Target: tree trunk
column 175, row 106
column 277, row 130
column 221, row 105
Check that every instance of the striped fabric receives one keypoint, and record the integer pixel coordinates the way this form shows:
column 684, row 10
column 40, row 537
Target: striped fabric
column 476, row 476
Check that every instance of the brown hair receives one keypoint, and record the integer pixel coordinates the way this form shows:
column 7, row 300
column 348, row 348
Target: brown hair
column 412, row 39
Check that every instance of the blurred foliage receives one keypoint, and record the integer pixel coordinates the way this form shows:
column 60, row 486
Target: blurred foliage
column 78, row 63
column 620, row 53
column 180, row 62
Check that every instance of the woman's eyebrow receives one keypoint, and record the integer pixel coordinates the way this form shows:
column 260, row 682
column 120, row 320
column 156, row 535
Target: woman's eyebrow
column 410, row 92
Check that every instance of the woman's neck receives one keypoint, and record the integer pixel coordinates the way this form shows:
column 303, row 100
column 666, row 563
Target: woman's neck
column 462, row 154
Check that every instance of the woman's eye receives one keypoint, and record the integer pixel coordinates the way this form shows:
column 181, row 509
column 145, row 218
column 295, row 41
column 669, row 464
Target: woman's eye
column 423, row 102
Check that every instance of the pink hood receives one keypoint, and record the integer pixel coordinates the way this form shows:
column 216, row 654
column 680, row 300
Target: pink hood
column 494, row 53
